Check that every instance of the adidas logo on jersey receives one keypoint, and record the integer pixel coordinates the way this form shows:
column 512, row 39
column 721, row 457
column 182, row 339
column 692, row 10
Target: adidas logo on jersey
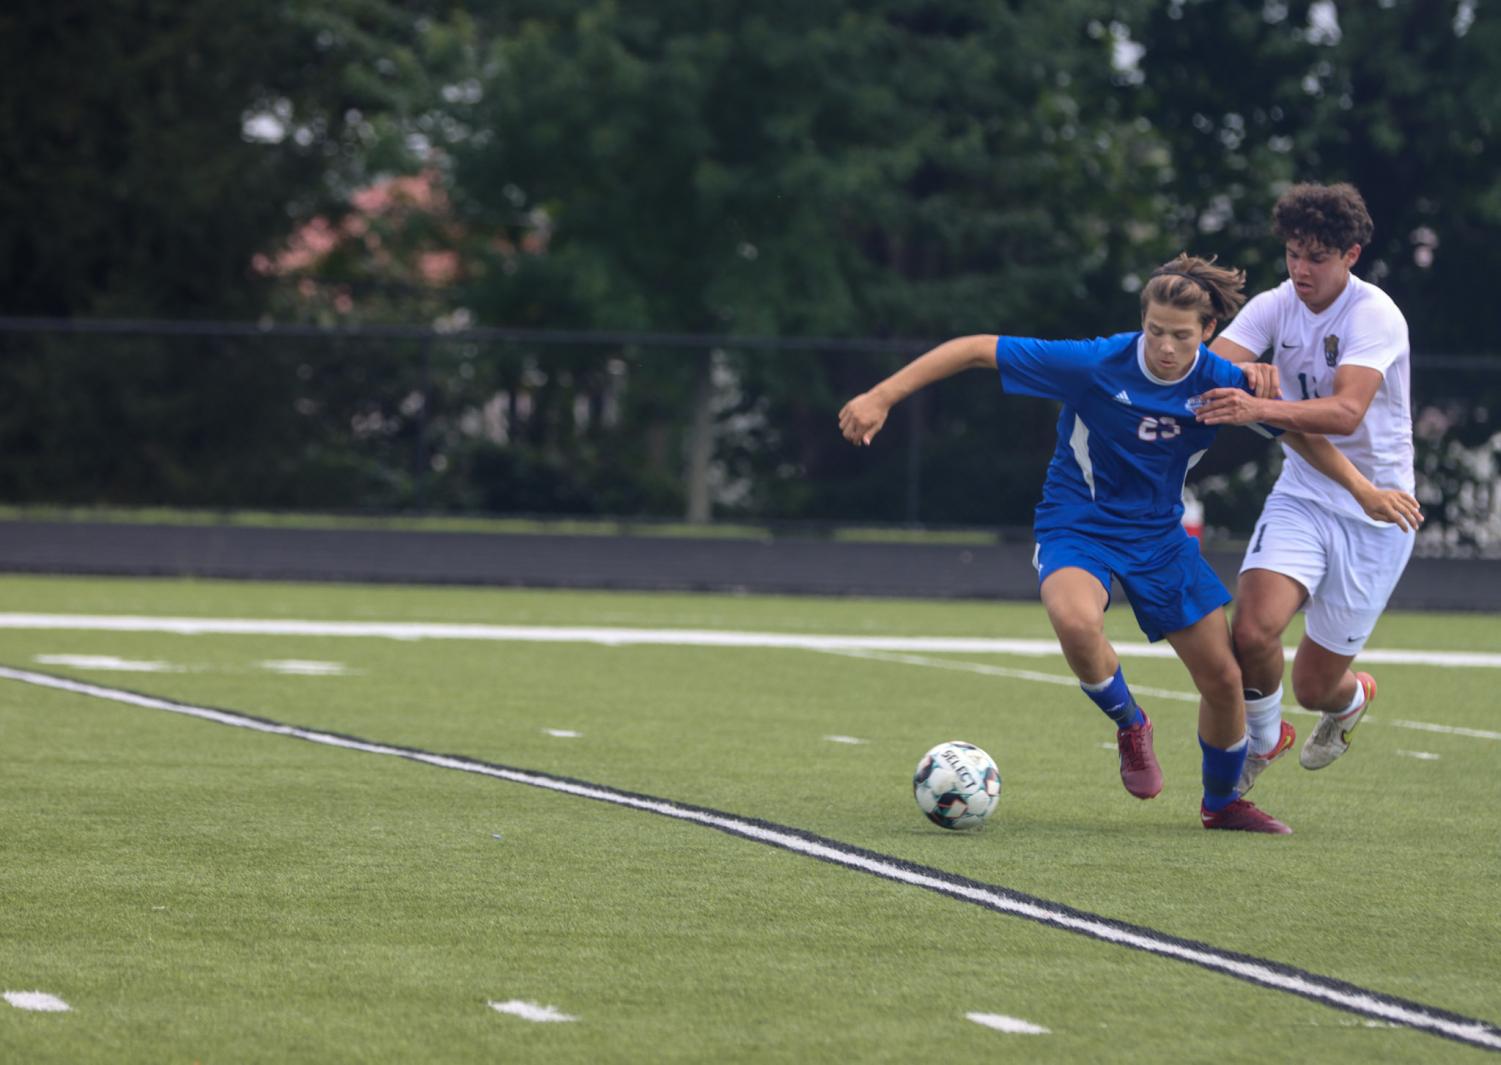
column 1121, row 397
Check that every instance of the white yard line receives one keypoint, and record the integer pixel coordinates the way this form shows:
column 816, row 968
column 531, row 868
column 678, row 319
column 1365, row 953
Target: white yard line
column 1158, row 693
column 619, row 637
column 890, row 647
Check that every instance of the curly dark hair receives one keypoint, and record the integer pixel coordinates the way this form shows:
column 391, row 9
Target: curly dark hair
column 1330, row 216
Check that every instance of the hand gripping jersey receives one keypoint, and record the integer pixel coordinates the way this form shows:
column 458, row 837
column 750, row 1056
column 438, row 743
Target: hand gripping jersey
column 1362, row 327
column 1126, row 438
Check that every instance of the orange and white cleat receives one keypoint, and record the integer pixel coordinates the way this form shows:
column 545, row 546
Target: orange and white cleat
column 1255, row 763
column 1331, row 736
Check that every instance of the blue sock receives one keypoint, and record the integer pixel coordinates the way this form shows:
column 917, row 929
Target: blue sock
column 1113, row 697
column 1222, row 768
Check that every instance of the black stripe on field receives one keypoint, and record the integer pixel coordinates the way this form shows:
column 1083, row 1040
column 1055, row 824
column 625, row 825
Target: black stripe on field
column 1486, row 1036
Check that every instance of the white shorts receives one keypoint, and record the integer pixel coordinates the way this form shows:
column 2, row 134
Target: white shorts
column 1348, row 567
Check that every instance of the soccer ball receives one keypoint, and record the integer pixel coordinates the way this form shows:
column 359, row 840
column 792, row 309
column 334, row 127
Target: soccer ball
column 956, row 785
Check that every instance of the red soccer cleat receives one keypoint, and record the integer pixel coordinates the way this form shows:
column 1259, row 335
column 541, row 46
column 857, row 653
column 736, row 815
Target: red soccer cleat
column 1242, row 816
column 1139, row 769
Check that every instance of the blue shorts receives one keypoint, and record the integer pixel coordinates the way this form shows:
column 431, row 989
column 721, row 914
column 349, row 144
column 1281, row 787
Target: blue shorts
column 1169, row 584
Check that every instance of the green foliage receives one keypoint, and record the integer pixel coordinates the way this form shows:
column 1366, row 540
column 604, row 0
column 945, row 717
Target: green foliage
column 888, row 169
column 136, row 181
column 1401, row 98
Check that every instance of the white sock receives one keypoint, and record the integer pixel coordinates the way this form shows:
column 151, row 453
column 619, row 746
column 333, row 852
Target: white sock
column 1355, row 703
column 1264, row 721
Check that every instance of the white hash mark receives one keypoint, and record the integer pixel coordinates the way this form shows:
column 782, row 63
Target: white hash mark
column 563, row 733
column 303, row 667
column 530, row 1011
column 1002, row 1023
column 845, row 739
column 109, row 662
column 36, row 1000
column 1424, row 756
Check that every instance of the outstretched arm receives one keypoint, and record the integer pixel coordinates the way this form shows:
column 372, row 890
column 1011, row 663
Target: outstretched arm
column 862, row 417
column 1261, row 376
column 1382, row 504
column 1339, row 414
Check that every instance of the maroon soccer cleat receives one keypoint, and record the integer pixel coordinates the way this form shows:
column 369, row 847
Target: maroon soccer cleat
column 1242, row 816
column 1139, row 769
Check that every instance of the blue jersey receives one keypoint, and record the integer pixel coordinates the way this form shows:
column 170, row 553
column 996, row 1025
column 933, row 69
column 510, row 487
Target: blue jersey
column 1126, row 438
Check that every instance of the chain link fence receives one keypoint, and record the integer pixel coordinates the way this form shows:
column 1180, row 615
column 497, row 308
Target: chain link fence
column 625, row 425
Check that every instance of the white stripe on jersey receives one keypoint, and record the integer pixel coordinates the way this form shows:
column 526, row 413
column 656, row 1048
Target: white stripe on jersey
column 1079, row 441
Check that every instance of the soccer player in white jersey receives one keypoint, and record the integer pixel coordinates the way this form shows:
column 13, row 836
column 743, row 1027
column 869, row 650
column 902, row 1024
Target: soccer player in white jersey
column 1341, row 348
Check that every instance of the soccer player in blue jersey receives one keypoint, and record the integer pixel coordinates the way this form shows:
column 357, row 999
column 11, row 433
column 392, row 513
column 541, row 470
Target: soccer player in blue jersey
column 1112, row 505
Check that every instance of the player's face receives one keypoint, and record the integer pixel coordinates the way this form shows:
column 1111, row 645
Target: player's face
column 1173, row 336
column 1318, row 273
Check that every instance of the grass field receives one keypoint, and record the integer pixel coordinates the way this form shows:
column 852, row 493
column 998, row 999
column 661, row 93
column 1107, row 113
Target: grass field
column 196, row 892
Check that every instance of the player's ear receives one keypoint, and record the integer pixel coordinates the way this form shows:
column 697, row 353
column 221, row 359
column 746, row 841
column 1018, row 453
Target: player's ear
column 1352, row 255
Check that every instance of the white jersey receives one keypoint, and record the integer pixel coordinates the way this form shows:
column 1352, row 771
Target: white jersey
column 1362, row 327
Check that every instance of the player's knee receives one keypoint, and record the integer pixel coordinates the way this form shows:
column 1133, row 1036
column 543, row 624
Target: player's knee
column 1253, row 637
column 1076, row 630
column 1221, row 683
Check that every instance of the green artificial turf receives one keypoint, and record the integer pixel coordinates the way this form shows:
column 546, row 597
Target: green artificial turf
column 203, row 893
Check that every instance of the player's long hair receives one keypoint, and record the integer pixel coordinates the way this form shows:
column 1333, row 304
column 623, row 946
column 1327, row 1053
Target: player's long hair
column 1194, row 284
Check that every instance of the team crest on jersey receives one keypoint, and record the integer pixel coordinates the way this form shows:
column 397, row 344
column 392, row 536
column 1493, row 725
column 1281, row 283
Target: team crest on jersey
column 1331, row 350
column 1193, row 403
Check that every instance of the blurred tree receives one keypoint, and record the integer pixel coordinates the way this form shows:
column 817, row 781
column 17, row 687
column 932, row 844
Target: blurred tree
column 150, row 150
column 1402, row 98
column 895, row 168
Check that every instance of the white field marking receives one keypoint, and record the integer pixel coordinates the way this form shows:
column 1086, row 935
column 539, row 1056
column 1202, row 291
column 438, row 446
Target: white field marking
column 1334, row 993
column 304, row 667
column 563, row 733
column 990, row 671
column 107, row 662
column 1159, row 693
column 36, row 1000
column 845, row 739
column 1002, row 1023
column 1109, row 746
column 1422, row 756
column 1448, row 730
column 615, row 637
column 530, row 1011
